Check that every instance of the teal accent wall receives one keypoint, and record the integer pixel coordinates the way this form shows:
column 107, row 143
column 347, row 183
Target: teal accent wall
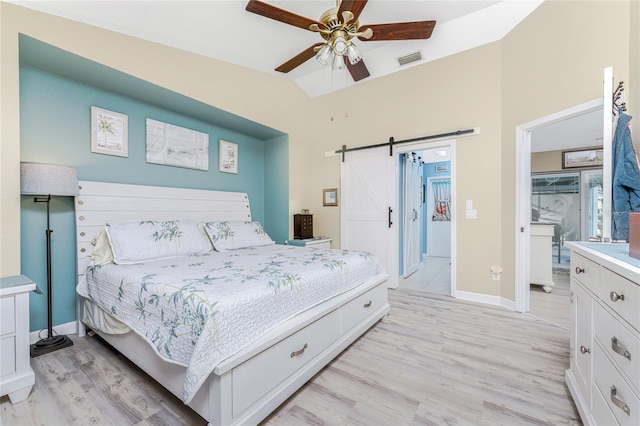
column 55, row 128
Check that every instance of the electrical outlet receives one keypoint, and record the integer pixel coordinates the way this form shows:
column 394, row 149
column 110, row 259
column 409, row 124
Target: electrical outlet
column 472, row 214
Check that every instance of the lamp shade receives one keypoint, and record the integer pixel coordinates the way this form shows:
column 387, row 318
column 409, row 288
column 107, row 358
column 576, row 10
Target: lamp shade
column 48, row 179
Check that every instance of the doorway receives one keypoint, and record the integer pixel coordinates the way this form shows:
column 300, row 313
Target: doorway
column 434, row 273
column 524, row 188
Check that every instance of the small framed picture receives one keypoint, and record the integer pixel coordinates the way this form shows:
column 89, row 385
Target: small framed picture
column 109, row 132
column 582, row 158
column 330, row 197
column 228, row 157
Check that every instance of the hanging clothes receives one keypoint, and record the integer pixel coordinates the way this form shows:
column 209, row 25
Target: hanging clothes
column 626, row 179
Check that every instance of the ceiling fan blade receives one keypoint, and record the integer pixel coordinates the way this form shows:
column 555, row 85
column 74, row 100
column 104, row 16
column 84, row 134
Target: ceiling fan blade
column 299, row 59
column 273, row 12
column 358, row 71
column 354, row 6
column 419, row 30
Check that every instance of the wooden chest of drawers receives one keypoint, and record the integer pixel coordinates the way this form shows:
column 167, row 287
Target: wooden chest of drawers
column 302, row 226
column 604, row 372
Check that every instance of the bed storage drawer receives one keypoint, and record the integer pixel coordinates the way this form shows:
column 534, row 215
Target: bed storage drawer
column 257, row 376
column 362, row 306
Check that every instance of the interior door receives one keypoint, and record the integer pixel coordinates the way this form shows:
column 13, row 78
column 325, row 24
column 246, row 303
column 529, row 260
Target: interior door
column 368, row 206
column 412, row 195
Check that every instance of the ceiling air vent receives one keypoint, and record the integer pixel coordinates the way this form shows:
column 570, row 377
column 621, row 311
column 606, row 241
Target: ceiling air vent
column 412, row 57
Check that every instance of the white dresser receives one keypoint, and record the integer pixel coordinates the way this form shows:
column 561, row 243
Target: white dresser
column 604, row 371
column 541, row 257
column 16, row 375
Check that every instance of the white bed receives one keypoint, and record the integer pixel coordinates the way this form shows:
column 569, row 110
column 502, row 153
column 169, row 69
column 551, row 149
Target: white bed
column 250, row 383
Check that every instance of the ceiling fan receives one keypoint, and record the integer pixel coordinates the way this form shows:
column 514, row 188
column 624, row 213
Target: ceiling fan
column 338, row 27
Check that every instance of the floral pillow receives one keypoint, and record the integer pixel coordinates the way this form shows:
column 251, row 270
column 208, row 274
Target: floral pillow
column 135, row 242
column 236, row 235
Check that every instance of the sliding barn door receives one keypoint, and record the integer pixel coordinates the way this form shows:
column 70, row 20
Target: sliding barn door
column 368, row 207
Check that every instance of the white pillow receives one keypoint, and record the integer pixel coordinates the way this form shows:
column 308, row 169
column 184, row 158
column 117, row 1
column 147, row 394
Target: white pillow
column 236, row 235
column 135, row 242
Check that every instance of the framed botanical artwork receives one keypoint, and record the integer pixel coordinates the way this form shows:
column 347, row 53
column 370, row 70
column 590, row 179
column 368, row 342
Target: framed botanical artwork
column 582, row 158
column 177, row 146
column 109, row 132
column 330, row 197
column 228, row 157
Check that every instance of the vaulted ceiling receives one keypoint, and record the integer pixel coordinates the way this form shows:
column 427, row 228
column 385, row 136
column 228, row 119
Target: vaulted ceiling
column 224, row 30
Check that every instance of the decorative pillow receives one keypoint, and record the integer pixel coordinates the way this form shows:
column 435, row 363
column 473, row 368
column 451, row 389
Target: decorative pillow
column 236, row 235
column 135, row 242
column 101, row 252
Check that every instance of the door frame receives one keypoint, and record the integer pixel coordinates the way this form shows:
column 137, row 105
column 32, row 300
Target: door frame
column 523, row 195
column 422, row 146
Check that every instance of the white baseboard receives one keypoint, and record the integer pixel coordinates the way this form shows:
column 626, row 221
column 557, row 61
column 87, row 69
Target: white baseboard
column 486, row 299
column 68, row 328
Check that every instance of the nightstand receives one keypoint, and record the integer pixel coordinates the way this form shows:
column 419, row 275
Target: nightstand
column 315, row 242
column 16, row 375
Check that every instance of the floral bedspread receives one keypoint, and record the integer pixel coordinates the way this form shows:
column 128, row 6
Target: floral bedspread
column 198, row 310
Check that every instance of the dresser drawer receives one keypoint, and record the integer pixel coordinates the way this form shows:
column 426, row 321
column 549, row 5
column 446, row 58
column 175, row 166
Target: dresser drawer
column 585, row 271
column 257, row 376
column 622, row 346
column 602, row 414
column 362, row 306
column 622, row 295
column 7, row 315
column 622, row 401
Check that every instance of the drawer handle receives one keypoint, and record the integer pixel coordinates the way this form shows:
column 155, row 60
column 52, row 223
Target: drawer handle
column 615, row 296
column 618, row 402
column 579, row 270
column 368, row 304
column 299, row 352
column 619, row 349
column 585, row 350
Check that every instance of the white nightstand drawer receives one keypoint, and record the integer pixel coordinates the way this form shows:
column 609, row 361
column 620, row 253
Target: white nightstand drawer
column 8, row 315
column 619, row 342
column 622, row 295
column 8, row 355
column 601, row 412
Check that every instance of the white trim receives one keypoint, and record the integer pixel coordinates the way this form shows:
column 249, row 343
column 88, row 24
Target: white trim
column 61, row 329
column 487, row 299
column 523, row 197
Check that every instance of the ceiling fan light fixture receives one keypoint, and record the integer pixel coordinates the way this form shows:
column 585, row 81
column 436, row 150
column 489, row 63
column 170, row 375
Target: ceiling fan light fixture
column 338, row 62
column 353, row 54
column 324, row 54
column 340, row 45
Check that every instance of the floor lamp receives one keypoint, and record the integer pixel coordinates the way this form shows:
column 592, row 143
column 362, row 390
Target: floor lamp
column 48, row 179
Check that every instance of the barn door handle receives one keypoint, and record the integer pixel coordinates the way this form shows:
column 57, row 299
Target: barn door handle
column 390, row 223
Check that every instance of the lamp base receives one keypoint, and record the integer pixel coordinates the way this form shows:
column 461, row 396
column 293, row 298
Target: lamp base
column 49, row 344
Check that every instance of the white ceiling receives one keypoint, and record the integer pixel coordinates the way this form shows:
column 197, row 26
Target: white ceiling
column 224, row 30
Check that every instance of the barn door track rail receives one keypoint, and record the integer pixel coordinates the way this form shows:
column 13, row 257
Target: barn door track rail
column 393, row 142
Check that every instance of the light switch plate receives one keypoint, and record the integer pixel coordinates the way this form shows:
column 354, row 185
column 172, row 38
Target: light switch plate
column 469, row 204
column 472, row 214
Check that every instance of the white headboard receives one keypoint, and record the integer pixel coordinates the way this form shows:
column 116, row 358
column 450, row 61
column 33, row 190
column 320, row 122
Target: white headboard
column 99, row 203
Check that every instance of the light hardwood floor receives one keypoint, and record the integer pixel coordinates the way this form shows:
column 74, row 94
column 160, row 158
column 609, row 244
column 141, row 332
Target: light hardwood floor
column 433, row 360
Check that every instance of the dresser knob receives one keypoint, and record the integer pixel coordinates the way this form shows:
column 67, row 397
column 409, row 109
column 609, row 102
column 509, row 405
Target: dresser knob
column 82, row 234
column 584, row 350
column 579, row 270
column 82, row 250
column 615, row 296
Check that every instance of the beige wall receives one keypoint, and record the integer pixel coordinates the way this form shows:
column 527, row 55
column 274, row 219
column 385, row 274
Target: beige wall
column 551, row 61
